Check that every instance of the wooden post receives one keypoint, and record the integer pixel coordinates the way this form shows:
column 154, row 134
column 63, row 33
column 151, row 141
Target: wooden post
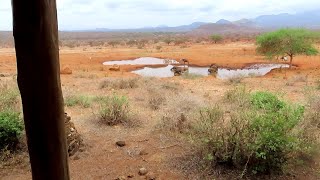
column 35, row 33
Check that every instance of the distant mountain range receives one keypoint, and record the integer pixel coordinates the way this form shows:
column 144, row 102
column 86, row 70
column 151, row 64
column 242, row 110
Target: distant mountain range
column 161, row 28
column 309, row 19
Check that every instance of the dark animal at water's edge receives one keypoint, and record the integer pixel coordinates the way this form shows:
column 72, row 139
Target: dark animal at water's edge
column 213, row 69
column 184, row 62
column 178, row 71
column 115, row 68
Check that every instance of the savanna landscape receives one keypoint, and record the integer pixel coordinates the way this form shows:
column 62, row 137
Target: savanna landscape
column 228, row 100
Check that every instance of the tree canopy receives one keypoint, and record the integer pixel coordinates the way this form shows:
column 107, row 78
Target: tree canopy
column 216, row 38
column 287, row 42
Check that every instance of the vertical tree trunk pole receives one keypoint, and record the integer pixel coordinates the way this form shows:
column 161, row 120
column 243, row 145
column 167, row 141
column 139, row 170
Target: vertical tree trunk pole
column 35, row 33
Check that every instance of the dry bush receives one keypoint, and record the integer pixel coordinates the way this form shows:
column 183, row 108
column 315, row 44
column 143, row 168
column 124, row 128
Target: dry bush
column 80, row 76
column 192, row 76
column 131, row 43
column 259, row 133
column 120, row 83
column 85, row 76
column 311, row 124
column 9, row 96
column 171, row 86
column 17, row 159
column 297, row 78
column 318, row 84
column 238, row 96
column 114, row 43
column 180, row 41
column 140, row 47
column 92, row 76
column 159, row 48
column 289, row 83
column 96, row 43
column 235, row 79
column 114, row 110
column 178, row 114
column 156, row 99
column 300, row 78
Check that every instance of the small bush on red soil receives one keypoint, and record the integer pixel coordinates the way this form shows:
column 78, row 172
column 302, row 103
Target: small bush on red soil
column 131, row 43
column 114, row 110
column 114, row 43
column 192, row 76
column 167, row 41
column 159, row 48
column 116, row 83
column 235, row 79
column 216, row 38
column 80, row 100
column 156, row 99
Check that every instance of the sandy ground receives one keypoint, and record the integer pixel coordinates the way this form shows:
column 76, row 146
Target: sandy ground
column 103, row 159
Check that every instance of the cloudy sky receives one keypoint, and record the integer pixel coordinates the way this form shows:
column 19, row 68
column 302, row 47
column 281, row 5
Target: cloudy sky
column 91, row 14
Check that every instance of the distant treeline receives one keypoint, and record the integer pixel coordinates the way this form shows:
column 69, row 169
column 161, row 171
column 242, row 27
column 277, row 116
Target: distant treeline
column 140, row 39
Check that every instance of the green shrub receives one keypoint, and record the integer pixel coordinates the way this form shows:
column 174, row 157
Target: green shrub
column 78, row 100
column 114, row 110
column 274, row 137
column 266, row 100
column 216, row 38
column 11, row 128
column 260, row 134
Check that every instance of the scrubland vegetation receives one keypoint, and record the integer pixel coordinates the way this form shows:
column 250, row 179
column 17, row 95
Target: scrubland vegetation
column 117, row 39
column 250, row 128
column 253, row 133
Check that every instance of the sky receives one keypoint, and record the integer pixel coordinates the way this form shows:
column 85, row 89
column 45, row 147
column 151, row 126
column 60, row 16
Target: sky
column 117, row 14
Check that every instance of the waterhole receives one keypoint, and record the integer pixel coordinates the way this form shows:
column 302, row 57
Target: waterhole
column 142, row 61
column 254, row 70
column 223, row 73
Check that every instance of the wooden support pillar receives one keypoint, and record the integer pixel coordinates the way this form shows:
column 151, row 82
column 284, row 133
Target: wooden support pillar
column 35, row 33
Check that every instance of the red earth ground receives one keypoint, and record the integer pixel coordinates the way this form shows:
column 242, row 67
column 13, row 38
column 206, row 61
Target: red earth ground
column 103, row 159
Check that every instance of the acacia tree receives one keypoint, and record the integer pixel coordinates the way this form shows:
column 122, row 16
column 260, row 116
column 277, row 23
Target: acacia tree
column 290, row 42
column 216, row 38
column 167, row 41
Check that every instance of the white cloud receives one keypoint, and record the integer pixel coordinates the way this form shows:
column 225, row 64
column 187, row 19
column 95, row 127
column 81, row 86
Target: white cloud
column 90, row 14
